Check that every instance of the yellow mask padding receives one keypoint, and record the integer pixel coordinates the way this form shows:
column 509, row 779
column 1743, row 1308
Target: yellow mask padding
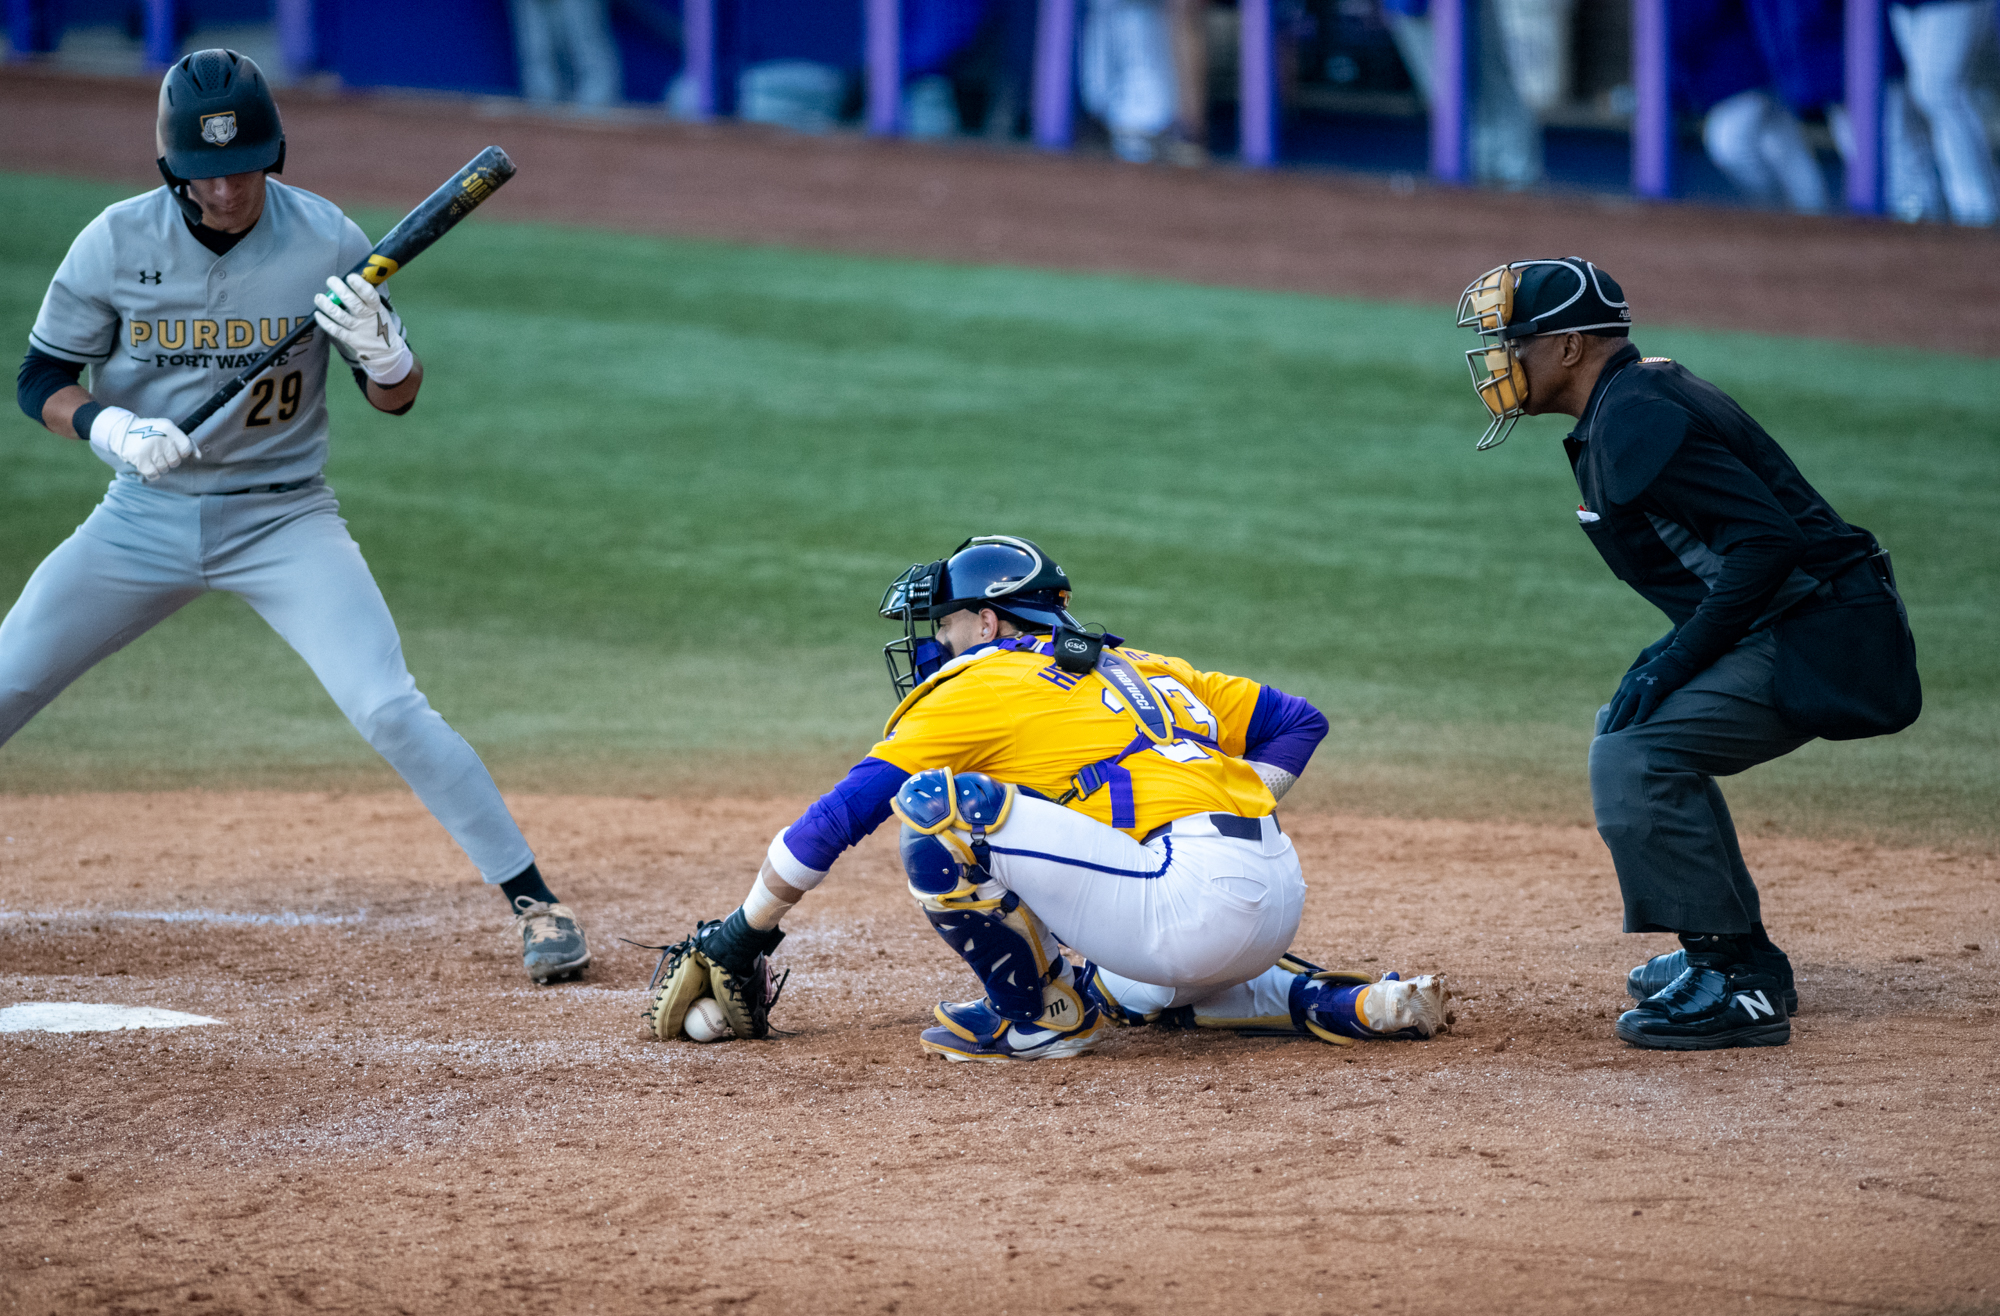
column 1488, row 303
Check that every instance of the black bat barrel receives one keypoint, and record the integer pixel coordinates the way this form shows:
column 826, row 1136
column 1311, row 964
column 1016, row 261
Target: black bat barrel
column 479, row 179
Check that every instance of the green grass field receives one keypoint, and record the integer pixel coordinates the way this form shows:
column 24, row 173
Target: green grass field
column 635, row 530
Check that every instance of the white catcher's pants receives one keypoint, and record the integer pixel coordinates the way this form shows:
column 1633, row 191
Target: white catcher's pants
column 1188, row 918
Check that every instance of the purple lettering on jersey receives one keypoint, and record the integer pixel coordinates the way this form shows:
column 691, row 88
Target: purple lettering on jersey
column 856, row 806
column 1284, row 731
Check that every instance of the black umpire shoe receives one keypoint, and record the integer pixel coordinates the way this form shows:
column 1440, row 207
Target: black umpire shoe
column 1707, row 1008
column 1654, row 975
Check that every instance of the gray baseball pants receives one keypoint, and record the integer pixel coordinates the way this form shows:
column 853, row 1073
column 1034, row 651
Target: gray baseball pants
column 1659, row 809
column 144, row 553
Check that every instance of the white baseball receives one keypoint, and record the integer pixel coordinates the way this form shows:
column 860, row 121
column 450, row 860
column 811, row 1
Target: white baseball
column 705, row 1021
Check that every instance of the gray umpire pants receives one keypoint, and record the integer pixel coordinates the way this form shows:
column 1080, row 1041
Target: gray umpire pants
column 1659, row 809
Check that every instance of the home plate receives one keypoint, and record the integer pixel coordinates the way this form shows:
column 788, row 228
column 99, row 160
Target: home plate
column 77, row 1017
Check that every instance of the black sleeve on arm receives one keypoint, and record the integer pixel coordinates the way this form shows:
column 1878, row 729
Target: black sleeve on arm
column 361, row 376
column 42, row 377
column 1726, row 506
column 361, row 382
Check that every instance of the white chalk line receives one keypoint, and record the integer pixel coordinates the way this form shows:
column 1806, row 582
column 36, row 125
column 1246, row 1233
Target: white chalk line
column 284, row 919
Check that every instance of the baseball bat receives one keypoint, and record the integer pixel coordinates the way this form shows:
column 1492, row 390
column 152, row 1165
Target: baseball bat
column 439, row 212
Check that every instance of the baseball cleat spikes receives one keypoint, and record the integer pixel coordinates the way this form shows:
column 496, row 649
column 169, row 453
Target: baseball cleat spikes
column 1009, row 1043
column 1709, row 1009
column 1653, row 976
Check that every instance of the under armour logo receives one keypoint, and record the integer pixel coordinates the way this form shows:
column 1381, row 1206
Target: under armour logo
column 150, row 276
column 1756, row 1005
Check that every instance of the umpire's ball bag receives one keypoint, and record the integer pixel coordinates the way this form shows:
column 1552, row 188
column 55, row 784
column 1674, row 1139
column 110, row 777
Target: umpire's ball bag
column 1847, row 665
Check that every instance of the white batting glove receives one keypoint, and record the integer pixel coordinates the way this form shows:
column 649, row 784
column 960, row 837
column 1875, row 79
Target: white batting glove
column 353, row 313
column 152, row 445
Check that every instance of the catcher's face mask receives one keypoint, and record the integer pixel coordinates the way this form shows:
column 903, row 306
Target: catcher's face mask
column 913, row 657
column 1486, row 305
column 1003, row 572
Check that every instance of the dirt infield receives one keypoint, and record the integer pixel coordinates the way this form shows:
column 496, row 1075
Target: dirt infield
column 1725, row 269
column 389, row 1118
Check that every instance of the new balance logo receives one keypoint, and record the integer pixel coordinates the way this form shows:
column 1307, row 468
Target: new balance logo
column 1757, row 1005
column 150, row 276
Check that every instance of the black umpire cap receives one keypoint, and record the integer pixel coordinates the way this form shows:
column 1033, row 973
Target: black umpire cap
column 1569, row 295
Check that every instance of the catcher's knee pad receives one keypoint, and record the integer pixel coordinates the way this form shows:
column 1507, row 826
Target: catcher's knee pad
column 937, row 798
column 946, row 817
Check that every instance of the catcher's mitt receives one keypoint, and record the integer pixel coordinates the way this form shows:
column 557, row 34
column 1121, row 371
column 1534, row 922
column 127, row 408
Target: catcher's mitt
column 726, row 959
column 679, row 980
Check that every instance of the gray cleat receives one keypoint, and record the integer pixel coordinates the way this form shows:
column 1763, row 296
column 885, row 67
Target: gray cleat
column 552, row 944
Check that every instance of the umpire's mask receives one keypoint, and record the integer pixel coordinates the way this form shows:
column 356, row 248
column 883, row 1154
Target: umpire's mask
column 1523, row 299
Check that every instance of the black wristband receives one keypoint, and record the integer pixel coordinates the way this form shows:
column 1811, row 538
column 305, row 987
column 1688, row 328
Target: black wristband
column 735, row 945
column 85, row 416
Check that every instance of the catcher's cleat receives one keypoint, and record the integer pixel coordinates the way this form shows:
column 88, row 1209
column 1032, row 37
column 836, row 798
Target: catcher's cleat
column 1708, row 1008
column 1342, row 1008
column 552, row 944
column 970, row 1030
column 1653, row 976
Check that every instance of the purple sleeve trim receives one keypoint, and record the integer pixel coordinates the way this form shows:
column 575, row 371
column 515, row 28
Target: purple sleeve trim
column 1284, row 731
column 845, row 814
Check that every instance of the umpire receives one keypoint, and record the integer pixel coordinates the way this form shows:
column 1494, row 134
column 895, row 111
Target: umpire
column 1786, row 626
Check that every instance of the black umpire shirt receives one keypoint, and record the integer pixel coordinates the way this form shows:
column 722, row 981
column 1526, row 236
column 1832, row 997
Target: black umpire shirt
column 1692, row 504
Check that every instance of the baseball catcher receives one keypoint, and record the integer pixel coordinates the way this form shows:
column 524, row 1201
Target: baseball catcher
column 1058, row 788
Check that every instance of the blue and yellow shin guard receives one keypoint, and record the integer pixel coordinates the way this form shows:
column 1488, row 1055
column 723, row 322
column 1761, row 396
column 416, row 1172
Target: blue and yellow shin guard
column 1015, row 957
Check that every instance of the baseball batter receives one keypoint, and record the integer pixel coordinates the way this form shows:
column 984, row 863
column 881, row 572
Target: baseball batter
column 1059, row 788
column 163, row 298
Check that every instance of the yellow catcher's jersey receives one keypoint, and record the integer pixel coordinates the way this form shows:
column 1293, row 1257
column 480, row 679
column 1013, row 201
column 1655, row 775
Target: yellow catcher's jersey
column 1018, row 717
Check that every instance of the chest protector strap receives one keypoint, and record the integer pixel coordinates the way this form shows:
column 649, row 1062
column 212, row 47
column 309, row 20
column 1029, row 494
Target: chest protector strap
column 1151, row 721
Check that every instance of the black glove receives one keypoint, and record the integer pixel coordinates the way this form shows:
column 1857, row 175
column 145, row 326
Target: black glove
column 1654, row 650
column 1643, row 688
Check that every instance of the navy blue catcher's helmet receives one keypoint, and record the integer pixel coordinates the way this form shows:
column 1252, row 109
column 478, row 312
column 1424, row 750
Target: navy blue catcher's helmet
column 1006, row 573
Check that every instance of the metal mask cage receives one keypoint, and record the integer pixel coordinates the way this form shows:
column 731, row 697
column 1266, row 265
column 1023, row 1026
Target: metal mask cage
column 1485, row 307
column 912, row 657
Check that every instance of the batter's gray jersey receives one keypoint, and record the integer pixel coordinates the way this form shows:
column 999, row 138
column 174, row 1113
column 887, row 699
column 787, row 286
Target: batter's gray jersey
column 163, row 322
